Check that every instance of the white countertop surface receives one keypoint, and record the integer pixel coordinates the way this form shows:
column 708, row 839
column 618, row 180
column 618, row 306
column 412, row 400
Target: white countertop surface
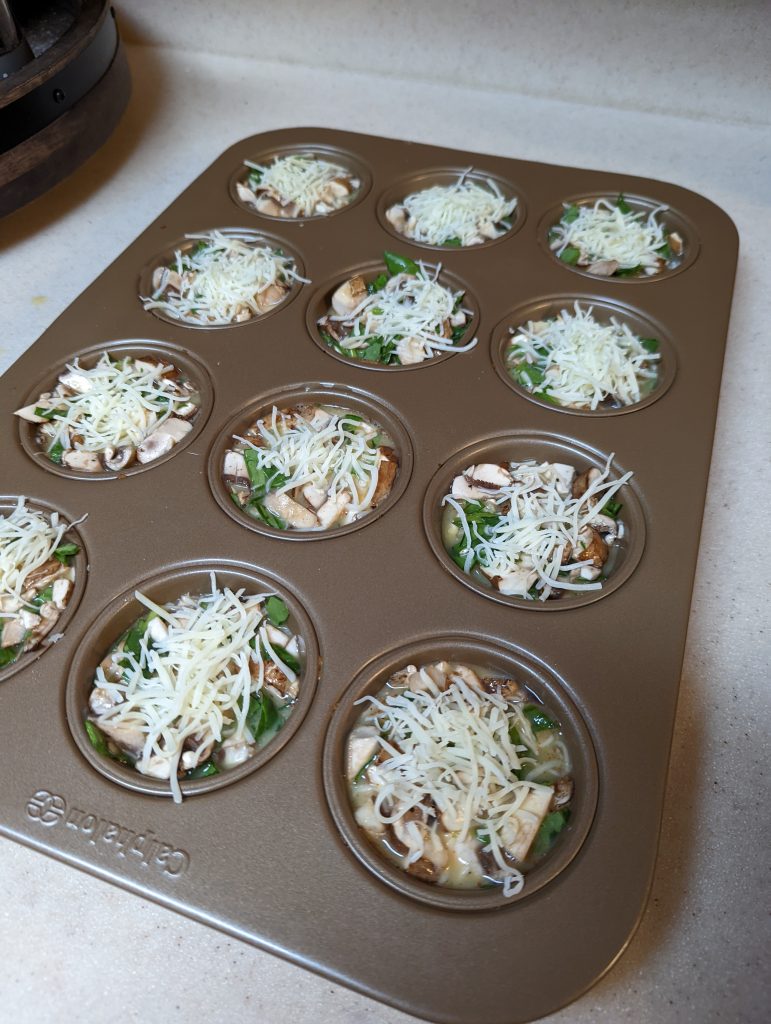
column 73, row 946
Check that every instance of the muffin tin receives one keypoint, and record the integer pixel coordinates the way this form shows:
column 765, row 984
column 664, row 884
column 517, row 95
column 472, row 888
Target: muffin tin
column 270, row 854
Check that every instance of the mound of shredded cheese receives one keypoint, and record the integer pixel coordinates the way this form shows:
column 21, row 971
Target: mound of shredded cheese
column 453, row 750
column 182, row 685
column 537, row 522
column 410, row 305
column 28, row 539
column 605, row 232
column 221, row 278
column 465, row 210
column 124, row 402
column 334, row 457
column 582, row 362
column 299, row 179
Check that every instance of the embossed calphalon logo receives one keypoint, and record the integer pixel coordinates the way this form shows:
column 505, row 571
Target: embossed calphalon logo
column 45, row 807
column 50, row 809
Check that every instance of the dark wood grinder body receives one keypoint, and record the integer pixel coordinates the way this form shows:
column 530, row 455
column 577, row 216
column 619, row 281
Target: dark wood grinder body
column 64, row 84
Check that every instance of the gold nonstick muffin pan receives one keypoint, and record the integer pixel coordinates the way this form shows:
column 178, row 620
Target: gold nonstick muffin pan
column 270, row 852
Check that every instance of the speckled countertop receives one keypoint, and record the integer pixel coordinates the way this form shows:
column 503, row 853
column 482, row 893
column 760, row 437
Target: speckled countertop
column 692, row 110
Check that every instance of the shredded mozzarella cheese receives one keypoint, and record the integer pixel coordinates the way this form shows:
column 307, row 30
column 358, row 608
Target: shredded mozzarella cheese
column 222, row 279
column 413, row 306
column 300, row 179
column 335, row 457
column 124, row 402
column 580, row 362
column 538, row 522
column 465, row 210
column 192, row 682
column 604, row 232
column 28, row 539
column 453, row 750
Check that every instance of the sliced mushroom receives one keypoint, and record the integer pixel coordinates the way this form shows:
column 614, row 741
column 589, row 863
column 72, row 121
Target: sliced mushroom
column 314, row 495
column 116, row 459
column 245, row 194
column 13, row 632
column 605, row 525
column 386, row 474
column 410, row 351
column 234, row 470
column 82, row 461
column 292, row 513
column 461, row 488
column 270, row 297
column 517, row 584
column 520, row 829
column 233, row 752
column 507, row 688
column 593, row 547
column 176, row 429
column 489, row 476
column 675, row 243
column 363, row 744
column 348, row 296
column 397, row 218
column 563, row 793
column 44, row 574
column 60, row 592
column 101, row 700
column 584, row 481
column 604, row 268
column 28, row 413
column 333, row 510
column 76, row 382
column 127, row 737
column 268, row 206
column 154, row 446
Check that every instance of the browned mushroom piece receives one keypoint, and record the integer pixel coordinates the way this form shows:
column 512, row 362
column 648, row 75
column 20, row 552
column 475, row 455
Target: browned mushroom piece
column 675, row 243
column 594, row 547
column 583, row 481
column 507, row 688
column 563, row 793
column 348, row 295
column 604, row 268
column 387, row 470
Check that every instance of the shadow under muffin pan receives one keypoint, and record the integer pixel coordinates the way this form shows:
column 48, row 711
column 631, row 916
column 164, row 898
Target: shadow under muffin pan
column 81, row 565
column 352, row 399
column 543, row 688
column 444, row 177
column 186, row 243
column 520, row 446
column 611, row 666
column 163, row 588
column 603, row 311
column 353, row 164
column 321, row 303
column 192, row 368
column 670, row 218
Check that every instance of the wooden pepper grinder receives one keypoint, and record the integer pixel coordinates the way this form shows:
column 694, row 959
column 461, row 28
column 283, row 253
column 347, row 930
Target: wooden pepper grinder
column 64, row 84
